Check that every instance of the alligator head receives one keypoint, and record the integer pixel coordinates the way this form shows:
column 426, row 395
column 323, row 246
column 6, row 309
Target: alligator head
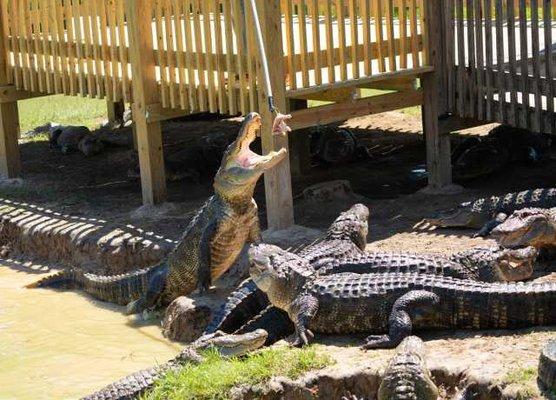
column 528, row 227
column 232, row 345
column 461, row 216
column 511, row 265
column 278, row 272
column 241, row 167
column 353, row 225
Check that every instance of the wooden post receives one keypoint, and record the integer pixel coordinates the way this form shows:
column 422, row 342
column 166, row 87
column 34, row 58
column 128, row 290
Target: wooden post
column 438, row 145
column 278, row 187
column 115, row 110
column 10, row 163
column 145, row 94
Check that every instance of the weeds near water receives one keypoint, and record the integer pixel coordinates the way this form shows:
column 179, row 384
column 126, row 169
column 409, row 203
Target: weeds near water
column 214, row 378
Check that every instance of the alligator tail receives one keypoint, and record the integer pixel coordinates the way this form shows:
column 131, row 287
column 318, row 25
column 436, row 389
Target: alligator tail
column 119, row 289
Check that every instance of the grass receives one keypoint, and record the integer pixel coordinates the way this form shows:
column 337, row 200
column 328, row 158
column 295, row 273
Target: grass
column 214, row 378
column 65, row 110
column 524, row 379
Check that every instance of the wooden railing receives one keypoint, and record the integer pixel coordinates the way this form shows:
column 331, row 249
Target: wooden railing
column 337, row 40
column 504, row 62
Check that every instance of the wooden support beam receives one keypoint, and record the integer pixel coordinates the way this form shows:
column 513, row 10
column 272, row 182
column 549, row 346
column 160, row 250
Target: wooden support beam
column 438, row 145
column 330, row 113
column 10, row 162
column 145, row 94
column 278, row 187
column 9, row 94
column 115, row 110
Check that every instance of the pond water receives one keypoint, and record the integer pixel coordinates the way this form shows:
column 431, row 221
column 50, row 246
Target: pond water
column 63, row 345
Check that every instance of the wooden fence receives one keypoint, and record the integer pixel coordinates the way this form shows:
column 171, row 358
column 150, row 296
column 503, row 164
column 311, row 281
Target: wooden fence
column 503, row 67
column 176, row 57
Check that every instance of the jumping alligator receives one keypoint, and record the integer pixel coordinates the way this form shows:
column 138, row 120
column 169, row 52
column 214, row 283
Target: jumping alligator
column 485, row 214
column 392, row 302
column 407, row 376
column 134, row 385
column 547, row 366
column 528, row 227
column 250, row 306
column 210, row 244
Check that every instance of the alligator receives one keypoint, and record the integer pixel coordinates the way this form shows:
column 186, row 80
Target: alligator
column 407, row 376
column 528, row 227
column 547, row 366
column 208, row 247
column 487, row 213
column 347, row 236
column 396, row 303
column 72, row 138
column 136, row 384
column 250, row 306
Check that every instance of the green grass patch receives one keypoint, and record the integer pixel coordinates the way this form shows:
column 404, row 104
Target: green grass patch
column 65, row 110
column 214, row 378
column 524, row 379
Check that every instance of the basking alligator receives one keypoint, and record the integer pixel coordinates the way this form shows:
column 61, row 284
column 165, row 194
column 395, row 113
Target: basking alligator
column 392, row 302
column 485, row 214
column 481, row 264
column 210, row 244
column 134, row 385
column 528, row 227
column 407, row 376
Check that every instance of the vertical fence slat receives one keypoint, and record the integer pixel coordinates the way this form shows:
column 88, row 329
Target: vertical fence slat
column 461, row 87
column 478, row 6
column 178, row 13
column 241, row 57
column 489, row 60
column 194, row 99
column 500, row 60
column 251, row 60
column 71, row 48
column 354, row 38
column 341, row 19
column 13, row 12
column 329, row 42
column 230, row 64
column 290, row 46
column 377, row 8
column 367, row 50
column 170, row 53
column 390, row 35
column 547, row 16
column 414, row 33
column 23, row 49
column 164, row 96
column 205, row 10
column 105, row 51
column 202, row 88
column 537, row 120
column 402, row 15
column 524, row 65
column 472, row 71
column 512, row 116
column 302, row 21
column 31, row 53
column 123, row 46
column 315, row 24
column 39, row 61
column 220, row 63
column 97, row 48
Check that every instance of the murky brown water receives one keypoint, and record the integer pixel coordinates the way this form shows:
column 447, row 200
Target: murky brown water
column 63, row 345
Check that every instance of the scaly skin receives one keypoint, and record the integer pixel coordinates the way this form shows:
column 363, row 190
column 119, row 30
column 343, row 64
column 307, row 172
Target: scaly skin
column 407, row 376
column 481, row 264
column 134, row 385
column 378, row 303
column 486, row 214
column 347, row 236
column 547, row 366
column 528, row 227
column 211, row 242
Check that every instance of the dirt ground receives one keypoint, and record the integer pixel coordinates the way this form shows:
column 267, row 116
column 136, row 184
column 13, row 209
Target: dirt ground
column 99, row 187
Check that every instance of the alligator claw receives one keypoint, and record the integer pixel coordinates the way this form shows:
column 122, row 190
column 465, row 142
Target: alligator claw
column 377, row 342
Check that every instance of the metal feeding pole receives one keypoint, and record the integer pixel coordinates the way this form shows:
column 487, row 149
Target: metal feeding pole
column 264, row 61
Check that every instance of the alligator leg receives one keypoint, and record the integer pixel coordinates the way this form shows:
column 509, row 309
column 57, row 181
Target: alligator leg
column 490, row 225
column 302, row 310
column 273, row 320
column 154, row 290
column 400, row 325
